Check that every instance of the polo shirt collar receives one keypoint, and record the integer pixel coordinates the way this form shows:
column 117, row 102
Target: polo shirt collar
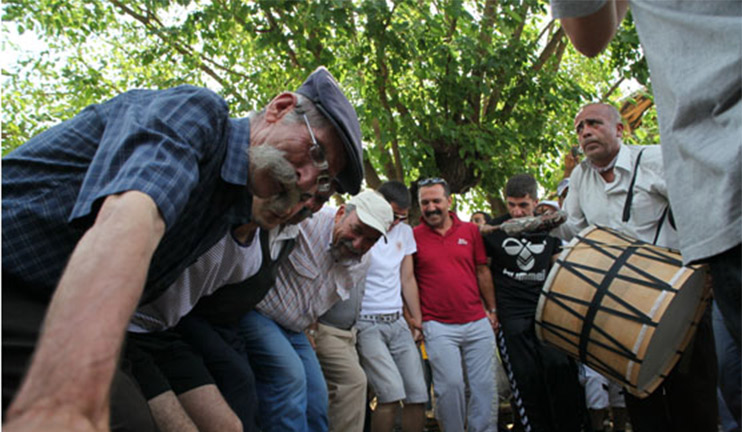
column 235, row 166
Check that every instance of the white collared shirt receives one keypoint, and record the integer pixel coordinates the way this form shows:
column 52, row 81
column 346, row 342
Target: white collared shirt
column 592, row 200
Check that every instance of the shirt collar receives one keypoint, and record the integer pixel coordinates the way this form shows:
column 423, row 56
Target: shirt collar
column 622, row 160
column 286, row 232
column 236, row 163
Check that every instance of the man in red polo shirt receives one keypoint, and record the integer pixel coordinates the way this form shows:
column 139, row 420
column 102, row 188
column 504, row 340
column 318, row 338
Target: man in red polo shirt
column 458, row 306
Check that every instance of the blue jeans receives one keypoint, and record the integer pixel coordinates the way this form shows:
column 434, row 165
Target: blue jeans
column 474, row 343
column 292, row 394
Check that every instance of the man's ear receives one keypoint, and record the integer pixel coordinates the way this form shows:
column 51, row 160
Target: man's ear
column 340, row 213
column 279, row 106
column 619, row 130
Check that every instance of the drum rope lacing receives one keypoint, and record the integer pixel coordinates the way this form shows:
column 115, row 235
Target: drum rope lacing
column 628, row 249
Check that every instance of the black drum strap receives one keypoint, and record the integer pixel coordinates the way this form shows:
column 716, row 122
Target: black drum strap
column 630, row 194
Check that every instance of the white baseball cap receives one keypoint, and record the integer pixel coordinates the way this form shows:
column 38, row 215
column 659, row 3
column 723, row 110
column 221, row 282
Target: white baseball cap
column 373, row 210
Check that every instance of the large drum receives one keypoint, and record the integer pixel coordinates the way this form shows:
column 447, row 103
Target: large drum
column 624, row 307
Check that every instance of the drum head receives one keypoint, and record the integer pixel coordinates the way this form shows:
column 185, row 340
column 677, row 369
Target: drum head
column 672, row 334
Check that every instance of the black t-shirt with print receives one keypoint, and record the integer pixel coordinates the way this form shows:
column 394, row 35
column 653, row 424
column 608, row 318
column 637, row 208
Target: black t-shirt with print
column 519, row 265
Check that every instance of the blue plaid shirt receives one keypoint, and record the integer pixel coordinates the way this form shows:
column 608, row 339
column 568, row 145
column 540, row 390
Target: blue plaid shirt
column 178, row 146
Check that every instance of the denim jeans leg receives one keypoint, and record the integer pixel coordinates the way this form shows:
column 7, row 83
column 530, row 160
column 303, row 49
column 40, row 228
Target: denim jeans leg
column 279, row 374
column 317, row 401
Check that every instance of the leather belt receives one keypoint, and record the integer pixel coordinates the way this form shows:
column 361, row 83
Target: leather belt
column 388, row 318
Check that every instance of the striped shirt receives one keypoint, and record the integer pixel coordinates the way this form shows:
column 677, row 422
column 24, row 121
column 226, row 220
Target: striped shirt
column 310, row 282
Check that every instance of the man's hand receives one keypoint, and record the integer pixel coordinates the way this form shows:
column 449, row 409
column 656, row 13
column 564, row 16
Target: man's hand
column 492, row 317
column 487, row 229
column 416, row 329
column 311, row 333
column 68, row 383
column 571, row 159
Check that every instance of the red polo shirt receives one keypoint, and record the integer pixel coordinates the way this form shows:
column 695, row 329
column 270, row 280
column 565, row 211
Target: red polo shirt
column 445, row 268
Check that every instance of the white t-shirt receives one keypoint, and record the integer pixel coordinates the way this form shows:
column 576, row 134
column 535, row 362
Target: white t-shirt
column 383, row 284
column 224, row 263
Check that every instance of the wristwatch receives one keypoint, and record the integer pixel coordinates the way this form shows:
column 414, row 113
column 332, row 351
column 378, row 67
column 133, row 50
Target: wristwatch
column 312, row 333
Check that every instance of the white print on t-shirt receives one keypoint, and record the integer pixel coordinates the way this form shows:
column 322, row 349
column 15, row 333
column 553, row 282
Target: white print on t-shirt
column 525, row 276
column 524, row 251
column 463, row 242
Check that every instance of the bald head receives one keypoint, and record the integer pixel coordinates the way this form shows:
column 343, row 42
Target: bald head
column 599, row 131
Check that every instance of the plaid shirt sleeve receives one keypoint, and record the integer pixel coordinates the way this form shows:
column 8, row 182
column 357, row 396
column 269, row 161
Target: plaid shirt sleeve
column 153, row 143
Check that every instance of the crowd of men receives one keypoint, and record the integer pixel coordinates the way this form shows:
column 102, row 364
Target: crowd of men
column 167, row 267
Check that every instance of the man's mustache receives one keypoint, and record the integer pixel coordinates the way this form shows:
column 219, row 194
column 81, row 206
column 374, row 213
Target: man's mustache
column 433, row 212
column 349, row 245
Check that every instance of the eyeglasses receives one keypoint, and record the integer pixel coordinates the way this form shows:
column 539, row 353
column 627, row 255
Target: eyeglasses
column 324, row 179
column 431, row 181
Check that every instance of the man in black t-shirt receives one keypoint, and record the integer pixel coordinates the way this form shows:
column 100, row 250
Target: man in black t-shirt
column 544, row 381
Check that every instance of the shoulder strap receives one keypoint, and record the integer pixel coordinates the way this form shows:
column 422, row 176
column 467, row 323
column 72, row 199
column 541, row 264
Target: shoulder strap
column 630, row 195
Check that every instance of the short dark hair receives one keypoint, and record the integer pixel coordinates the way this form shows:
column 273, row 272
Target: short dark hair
column 432, row 181
column 521, row 185
column 487, row 217
column 396, row 192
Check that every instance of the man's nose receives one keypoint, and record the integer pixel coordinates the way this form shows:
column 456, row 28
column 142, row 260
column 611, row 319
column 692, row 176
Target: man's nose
column 306, row 177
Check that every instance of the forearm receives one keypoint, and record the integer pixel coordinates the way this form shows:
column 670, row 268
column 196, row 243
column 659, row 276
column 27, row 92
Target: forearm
column 410, row 293
column 78, row 350
column 591, row 34
column 486, row 286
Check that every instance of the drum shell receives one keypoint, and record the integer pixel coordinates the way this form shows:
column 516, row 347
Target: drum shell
column 625, row 308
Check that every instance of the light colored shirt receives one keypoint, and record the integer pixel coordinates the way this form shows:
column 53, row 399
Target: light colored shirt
column 310, row 281
column 694, row 52
column 592, row 200
column 383, row 284
column 224, row 263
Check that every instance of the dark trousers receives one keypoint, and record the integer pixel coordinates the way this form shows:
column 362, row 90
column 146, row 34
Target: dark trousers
column 686, row 399
column 729, row 362
column 726, row 278
column 226, row 359
column 21, row 325
column 545, row 381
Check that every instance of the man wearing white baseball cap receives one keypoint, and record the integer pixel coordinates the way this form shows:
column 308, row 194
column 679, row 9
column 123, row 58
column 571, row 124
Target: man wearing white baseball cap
column 327, row 264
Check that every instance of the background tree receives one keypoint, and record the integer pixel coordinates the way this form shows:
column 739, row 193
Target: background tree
column 472, row 91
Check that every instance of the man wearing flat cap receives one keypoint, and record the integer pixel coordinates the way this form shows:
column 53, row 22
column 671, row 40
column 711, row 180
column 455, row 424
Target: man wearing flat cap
column 104, row 211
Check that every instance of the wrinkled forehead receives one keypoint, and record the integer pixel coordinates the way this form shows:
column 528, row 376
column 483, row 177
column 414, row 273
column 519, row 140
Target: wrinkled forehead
column 600, row 112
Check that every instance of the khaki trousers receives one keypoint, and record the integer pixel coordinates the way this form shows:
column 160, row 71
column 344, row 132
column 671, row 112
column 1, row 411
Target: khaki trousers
column 346, row 381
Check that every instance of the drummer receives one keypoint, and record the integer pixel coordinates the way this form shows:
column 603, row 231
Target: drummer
column 623, row 187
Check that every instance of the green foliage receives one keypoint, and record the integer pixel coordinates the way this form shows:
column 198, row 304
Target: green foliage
column 474, row 91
